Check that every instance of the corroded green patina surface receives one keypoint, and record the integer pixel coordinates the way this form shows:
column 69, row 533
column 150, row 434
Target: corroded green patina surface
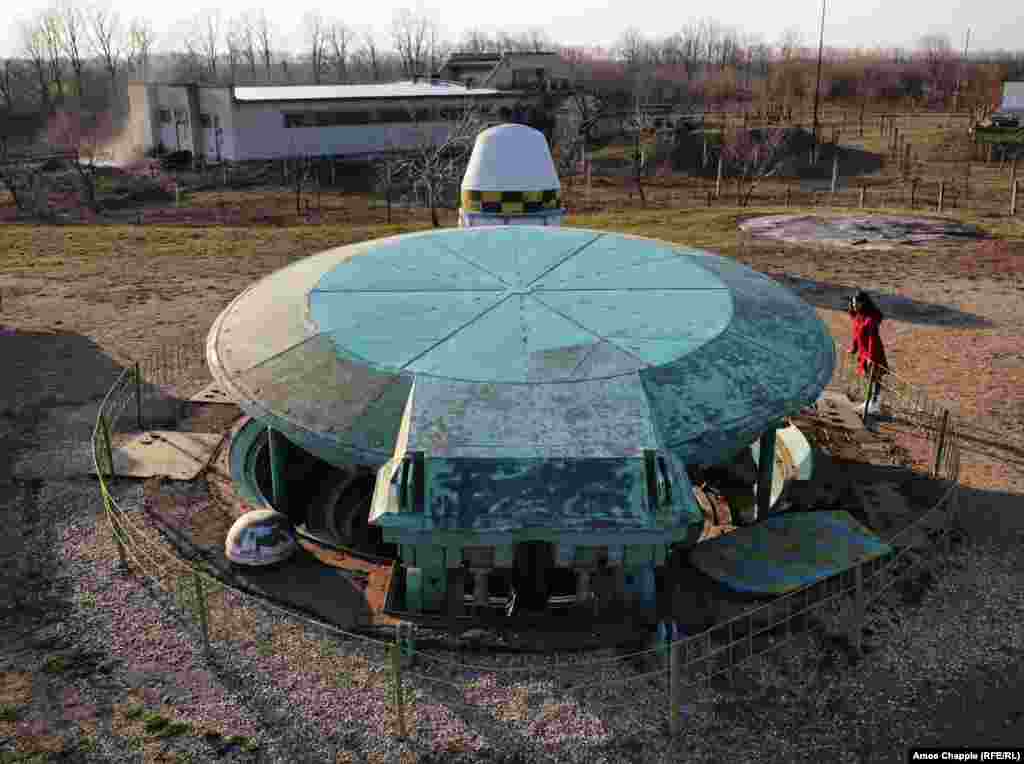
column 531, row 355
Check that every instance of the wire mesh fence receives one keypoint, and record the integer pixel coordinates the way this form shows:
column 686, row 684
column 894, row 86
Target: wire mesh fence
column 657, row 681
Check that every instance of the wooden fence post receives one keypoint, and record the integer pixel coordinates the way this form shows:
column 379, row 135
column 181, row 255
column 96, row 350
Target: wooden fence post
column 718, row 179
column 789, row 193
column 862, row 194
column 941, row 442
column 674, row 670
column 396, row 677
column 204, row 623
column 942, row 190
column 906, row 157
column 138, row 395
column 1013, row 187
column 913, row 193
column 835, row 173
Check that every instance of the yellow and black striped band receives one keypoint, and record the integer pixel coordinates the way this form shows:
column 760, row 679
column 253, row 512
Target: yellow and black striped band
column 510, row 202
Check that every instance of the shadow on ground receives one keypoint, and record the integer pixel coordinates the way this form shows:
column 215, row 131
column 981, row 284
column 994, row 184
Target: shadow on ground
column 831, row 296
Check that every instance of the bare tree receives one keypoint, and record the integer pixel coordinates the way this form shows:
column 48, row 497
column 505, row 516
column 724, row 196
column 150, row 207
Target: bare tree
column 264, row 41
column 247, row 41
column 437, row 161
column 209, row 25
column 73, row 39
column 753, row 155
column 388, row 175
column 51, row 29
column 105, row 29
column 631, row 48
column 234, row 43
column 536, row 40
column 340, row 38
column 84, row 137
column 370, row 53
column 34, row 45
column 139, row 45
column 475, row 41
column 8, row 85
column 411, row 33
column 315, row 31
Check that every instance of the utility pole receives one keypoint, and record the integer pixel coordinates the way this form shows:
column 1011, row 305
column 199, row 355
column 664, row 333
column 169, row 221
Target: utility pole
column 817, row 82
column 960, row 74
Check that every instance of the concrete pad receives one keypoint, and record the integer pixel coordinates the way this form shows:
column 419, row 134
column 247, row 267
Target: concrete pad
column 213, row 393
column 164, row 453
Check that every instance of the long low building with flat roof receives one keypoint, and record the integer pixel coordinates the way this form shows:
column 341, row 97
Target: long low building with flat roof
column 237, row 123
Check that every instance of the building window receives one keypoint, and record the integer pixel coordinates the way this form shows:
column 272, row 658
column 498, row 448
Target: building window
column 164, row 116
column 393, row 115
column 204, row 120
column 181, row 116
column 327, row 118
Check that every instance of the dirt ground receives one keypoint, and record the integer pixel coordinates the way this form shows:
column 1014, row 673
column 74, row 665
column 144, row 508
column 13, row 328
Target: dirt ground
column 79, row 302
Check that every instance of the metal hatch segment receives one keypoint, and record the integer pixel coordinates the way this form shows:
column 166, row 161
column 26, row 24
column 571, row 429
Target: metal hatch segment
column 414, row 264
column 392, row 329
column 655, row 326
column 621, row 263
column 516, row 254
column 337, row 407
column 504, row 345
column 592, row 419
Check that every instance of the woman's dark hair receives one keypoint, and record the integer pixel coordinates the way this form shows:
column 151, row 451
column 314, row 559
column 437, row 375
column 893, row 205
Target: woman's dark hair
column 867, row 305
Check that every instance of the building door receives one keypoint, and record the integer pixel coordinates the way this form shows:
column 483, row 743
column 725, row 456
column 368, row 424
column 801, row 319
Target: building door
column 533, row 561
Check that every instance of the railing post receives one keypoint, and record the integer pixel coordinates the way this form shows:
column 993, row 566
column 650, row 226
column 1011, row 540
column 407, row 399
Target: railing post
column 942, row 190
column 138, row 394
column 114, row 526
column 396, row 677
column 108, row 452
column 204, row 624
column 941, row 442
column 674, row 667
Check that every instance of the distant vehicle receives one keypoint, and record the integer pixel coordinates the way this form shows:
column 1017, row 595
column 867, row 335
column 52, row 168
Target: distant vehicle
column 1005, row 119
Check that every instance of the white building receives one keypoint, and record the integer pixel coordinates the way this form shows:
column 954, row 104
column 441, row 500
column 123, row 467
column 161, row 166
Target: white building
column 355, row 121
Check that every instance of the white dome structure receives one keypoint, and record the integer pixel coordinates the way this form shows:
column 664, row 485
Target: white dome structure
column 511, row 179
column 260, row 537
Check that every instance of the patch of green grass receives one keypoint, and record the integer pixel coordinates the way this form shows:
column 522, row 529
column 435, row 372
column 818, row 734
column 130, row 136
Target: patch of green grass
column 265, row 649
column 175, row 728
column 56, row 664
column 88, row 744
column 135, row 712
column 154, row 723
column 27, row 757
column 9, row 713
column 248, row 745
column 87, row 600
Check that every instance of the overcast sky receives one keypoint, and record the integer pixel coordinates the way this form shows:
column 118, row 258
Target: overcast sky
column 868, row 23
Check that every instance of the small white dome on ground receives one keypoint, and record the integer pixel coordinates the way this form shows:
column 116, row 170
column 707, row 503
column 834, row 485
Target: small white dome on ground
column 260, row 537
column 510, row 178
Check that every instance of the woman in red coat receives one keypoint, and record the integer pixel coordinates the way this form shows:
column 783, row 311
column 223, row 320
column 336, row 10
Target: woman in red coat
column 867, row 342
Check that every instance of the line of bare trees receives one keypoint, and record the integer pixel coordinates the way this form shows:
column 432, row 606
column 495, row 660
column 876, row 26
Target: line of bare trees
column 87, row 52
